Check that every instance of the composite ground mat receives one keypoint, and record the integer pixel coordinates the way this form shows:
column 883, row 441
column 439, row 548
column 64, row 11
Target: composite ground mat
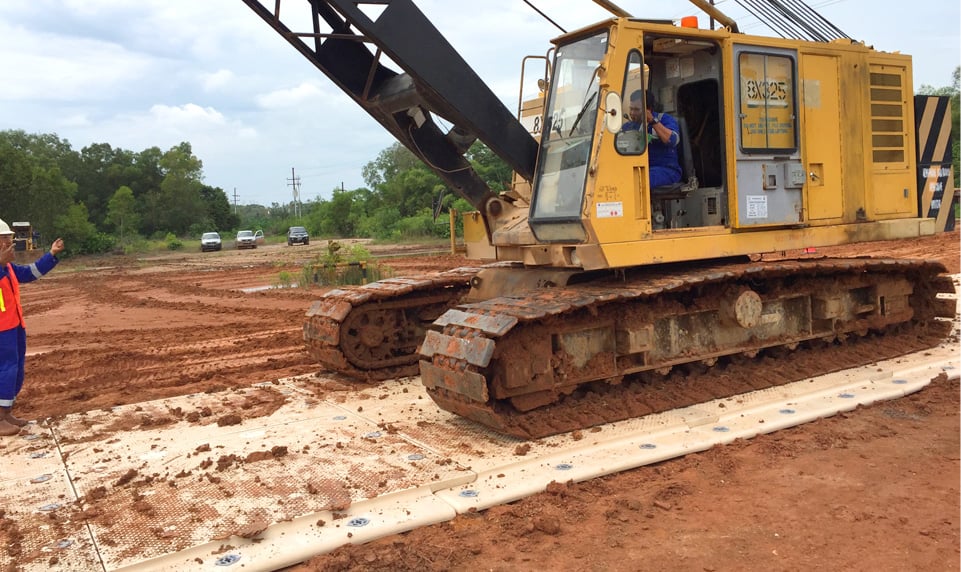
column 270, row 475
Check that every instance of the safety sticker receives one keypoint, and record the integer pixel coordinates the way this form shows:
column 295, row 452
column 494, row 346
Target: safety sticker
column 610, row 210
column 756, row 206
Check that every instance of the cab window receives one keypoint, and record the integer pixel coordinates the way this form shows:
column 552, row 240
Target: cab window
column 632, row 140
column 767, row 103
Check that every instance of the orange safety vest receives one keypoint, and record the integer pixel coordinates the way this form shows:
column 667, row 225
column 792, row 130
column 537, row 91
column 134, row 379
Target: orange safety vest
column 11, row 313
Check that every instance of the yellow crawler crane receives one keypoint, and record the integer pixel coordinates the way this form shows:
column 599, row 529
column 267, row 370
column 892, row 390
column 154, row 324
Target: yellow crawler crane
column 784, row 145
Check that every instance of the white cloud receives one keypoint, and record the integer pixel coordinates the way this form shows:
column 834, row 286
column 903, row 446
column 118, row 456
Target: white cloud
column 217, row 80
column 76, row 121
column 290, row 97
column 184, row 115
column 49, row 67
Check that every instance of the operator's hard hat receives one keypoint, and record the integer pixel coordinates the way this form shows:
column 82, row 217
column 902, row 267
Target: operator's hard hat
column 4, row 228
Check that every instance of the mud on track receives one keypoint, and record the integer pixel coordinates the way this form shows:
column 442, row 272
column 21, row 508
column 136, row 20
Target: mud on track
column 875, row 489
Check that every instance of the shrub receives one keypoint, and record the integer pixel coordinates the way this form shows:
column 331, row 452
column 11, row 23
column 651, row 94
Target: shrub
column 173, row 243
column 284, row 279
column 97, row 243
column 335, row 268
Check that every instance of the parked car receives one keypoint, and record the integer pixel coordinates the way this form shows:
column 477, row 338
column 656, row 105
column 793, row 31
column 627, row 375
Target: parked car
column 246, row 239
column 297, row 235
column 210, row 241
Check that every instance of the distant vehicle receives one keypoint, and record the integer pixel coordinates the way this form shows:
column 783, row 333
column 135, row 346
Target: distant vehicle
column 297, row 235
column 210, row 241
column 24, row 237
column 246, row 239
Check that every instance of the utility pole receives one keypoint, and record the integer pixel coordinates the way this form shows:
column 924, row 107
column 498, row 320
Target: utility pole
column 235, row 200
column 294, row 182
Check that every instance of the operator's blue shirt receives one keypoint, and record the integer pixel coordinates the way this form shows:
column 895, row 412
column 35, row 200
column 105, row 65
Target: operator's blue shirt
column 662, row 157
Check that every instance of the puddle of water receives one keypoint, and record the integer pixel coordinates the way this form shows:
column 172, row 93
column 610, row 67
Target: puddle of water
column 262, row 288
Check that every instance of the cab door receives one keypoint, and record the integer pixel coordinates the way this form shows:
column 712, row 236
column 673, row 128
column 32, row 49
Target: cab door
column 769, row 171
column 822, row 136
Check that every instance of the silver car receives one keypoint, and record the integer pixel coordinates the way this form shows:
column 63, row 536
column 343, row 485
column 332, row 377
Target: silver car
column 246, row 239
column 210, row 241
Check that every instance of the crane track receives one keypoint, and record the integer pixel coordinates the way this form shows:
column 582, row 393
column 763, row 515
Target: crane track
column 372, row 332
column 528, row 365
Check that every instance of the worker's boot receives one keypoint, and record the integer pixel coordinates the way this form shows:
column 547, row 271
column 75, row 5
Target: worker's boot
column 6, row 413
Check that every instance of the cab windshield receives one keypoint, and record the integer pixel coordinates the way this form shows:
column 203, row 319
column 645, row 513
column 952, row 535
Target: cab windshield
column 567, row 140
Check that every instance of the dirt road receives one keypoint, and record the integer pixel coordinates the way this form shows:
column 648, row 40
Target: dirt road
column 875, row 489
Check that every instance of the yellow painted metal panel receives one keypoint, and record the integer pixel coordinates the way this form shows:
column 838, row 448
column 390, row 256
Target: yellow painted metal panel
column 893, row 183
column 717, row 242
column 823, row 138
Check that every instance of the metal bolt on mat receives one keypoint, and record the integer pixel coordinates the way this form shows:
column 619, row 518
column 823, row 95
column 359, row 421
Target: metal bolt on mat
column 721, row 429
column 41, row 479
column 564, row 467
column 648, row 446
column 38, row 455
column 31, row 437
column 415, row 457
column 899, row 381
column 340, row 417
column 787, row 411
column 846, row 395
column 373, row 435
column 358, row 522
column 50, row 507
column 65, row 543
column 469, row 493
column 227, row 560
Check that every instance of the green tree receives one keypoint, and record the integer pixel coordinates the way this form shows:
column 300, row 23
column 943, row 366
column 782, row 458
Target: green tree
column 32, row 185
column 218, row 209
column 46, row 149
column 94, row 185
column 388, row 164
column 16, row 173
column 180, row 202
column 491, row 168
column 122, row 213
column 146, row 189
column 51, row 194
column 75, row 228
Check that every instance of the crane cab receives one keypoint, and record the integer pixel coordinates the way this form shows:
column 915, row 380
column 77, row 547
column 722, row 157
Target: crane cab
column 782, row 144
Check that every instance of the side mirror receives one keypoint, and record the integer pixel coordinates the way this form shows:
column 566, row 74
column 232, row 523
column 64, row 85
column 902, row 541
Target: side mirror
column 612, row 112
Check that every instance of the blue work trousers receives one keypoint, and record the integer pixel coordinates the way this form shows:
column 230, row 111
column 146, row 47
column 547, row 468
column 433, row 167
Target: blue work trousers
column 13, row 350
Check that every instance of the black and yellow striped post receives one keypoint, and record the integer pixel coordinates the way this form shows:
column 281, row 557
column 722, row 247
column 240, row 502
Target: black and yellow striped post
column 936, row 197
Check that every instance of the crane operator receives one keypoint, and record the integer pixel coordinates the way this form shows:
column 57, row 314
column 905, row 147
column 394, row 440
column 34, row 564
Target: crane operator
column 663, row 138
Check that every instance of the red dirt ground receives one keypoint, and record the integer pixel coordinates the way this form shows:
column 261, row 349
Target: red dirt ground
column 874, row 489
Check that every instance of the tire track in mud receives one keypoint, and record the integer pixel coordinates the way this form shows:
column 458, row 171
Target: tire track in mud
column 224, row 339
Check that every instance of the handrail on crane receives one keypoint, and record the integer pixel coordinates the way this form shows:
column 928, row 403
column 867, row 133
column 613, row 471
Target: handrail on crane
column 702, row 5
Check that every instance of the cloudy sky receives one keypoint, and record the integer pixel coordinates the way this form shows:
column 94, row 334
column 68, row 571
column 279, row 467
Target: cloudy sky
column 158, row 72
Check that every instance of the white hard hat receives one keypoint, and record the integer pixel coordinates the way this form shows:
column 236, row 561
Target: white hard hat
column 4, row 228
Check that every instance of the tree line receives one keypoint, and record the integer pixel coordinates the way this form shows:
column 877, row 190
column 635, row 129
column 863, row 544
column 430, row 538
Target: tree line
column 103, row 198
column 402, row 199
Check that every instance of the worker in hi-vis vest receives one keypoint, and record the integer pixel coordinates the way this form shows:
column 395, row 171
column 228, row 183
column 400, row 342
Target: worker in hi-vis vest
column 13, row 335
